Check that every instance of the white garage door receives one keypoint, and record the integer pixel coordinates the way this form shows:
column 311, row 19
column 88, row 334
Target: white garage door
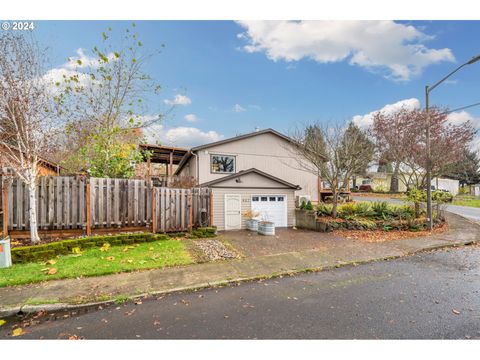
column 272, row 208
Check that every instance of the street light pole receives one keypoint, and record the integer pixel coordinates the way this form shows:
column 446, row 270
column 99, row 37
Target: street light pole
column 428, row 164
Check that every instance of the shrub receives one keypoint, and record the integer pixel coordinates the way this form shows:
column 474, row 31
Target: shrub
column 324, row 210
column 303, row 205
column 364, row 209
column 381, row 210
column 347, row 211
column 25, row 254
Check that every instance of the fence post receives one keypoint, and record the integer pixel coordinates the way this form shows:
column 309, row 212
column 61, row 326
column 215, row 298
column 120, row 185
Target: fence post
column 5, row 187
column 154, row 210
column 87, row 204
column 190, row 211
column 210, row 210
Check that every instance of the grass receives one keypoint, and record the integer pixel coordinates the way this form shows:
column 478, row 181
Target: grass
column 466, row 200
column 94, row 262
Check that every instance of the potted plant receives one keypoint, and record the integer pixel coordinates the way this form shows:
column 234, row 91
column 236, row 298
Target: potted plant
column 251, row 222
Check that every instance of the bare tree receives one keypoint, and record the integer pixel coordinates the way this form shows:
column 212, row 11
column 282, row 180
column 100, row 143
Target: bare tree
column 335, row 153
column 26, row 126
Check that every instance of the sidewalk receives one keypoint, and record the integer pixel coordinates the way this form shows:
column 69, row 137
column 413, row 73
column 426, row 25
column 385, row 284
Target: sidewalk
column 104, row 288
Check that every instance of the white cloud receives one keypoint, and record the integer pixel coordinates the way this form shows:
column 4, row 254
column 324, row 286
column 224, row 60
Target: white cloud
column 191, row 118
column 375, row 45
column 238, row 108
column 179, row 100
column 180, row 136
column 365, row 121
column 255, row 107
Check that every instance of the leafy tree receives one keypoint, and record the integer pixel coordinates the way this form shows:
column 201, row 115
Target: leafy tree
column 104, row 104
column 400, row 138
column 466, row 170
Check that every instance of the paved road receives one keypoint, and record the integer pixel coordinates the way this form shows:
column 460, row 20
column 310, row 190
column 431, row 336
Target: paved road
column 429, row 295
column 466, row 211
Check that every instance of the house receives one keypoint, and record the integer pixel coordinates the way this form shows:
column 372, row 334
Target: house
column 45, row 168
column 255, row 171
column 380, row 181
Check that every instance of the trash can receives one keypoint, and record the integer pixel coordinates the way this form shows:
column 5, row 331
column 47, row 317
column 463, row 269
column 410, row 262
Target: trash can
column 5, row 255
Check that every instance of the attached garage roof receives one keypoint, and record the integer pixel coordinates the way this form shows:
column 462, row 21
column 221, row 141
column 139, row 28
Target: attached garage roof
column 226, row 179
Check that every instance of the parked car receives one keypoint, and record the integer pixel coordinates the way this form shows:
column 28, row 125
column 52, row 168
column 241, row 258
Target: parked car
column 365, row 187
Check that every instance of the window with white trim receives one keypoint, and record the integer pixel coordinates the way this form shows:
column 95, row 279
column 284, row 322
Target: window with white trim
column 222, row 164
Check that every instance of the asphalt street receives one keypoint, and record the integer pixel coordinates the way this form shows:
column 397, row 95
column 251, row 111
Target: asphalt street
column 433, row 295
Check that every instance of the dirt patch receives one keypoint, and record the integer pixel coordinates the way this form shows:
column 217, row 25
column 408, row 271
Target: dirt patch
column 383, row 236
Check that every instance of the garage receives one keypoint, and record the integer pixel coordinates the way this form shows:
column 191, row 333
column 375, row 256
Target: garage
column 271, row 208
column 252, row 189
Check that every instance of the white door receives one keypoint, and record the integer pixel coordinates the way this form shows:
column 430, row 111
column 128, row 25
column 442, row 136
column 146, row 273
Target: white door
column 233, row 214
column 271, row 208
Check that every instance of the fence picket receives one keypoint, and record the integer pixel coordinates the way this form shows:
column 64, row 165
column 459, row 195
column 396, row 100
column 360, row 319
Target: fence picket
column 62, row 204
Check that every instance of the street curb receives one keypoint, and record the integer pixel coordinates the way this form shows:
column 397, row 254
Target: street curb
column 29, row 309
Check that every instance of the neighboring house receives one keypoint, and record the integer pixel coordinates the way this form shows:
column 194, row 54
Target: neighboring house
column 380, row 181
column 45, row 168
column 254, row 171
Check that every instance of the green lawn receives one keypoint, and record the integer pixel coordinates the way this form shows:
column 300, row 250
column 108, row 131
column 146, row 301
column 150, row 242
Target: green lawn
column 94, row 262
column 466, row 200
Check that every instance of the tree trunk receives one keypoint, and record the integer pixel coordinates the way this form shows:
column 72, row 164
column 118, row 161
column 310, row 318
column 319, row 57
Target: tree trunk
column 334, row 204
column 394, row 179
column 32, row 187
column 417, row 210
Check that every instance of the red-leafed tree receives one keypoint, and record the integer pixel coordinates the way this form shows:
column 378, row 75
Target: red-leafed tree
column 400, row 139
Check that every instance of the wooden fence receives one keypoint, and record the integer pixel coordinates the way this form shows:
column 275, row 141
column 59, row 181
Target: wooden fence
column 86, row 205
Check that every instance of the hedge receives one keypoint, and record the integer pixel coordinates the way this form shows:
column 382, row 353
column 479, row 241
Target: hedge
column 25, row 254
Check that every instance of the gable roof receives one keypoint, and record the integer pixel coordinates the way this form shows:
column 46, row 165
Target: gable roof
column 250, row 171
column 187, row 156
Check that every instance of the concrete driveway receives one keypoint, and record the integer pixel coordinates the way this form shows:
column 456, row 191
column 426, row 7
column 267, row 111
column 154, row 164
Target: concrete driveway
column 466, row 211
column 286, row 240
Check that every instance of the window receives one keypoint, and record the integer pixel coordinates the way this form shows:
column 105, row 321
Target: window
column 272, row 198
column 255, row 198
column 222, row 164
column 263, row 198
column 280, row 198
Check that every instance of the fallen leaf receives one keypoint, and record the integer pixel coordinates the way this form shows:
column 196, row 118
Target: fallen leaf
column 52, row 271
column 156, row 323
column 105, row 247
column 2, row 322
column 456, row 312
column 73, row 337
column 110, row 258
column 185, row 302
column 51, row 262
column 76, row 250
column 151, row 248
column 128, row 313
column 130, row 261
column 17, row 332
column 138, row 302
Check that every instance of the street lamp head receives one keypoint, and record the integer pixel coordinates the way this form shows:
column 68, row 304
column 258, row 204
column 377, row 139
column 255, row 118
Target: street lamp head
column 473, row 60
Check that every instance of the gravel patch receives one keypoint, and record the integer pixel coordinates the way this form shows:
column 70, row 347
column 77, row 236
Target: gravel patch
column 215, row 250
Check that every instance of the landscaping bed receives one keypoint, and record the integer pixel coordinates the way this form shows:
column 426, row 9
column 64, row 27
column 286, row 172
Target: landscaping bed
column 376, row 216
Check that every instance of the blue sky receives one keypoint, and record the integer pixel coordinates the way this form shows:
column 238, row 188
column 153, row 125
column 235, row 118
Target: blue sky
column 238, row 76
